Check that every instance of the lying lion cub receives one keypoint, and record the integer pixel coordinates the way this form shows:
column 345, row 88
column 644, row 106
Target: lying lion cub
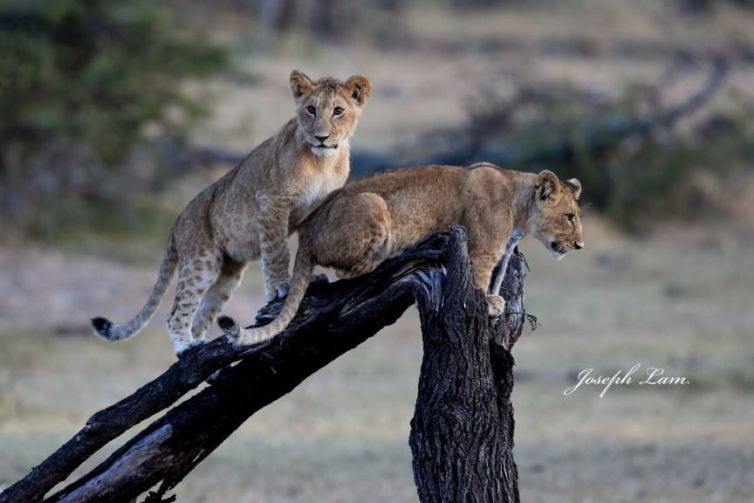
column 371, row 219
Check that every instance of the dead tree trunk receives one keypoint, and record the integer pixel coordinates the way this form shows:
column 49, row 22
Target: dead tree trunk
column 462, row 430
column 333, row 319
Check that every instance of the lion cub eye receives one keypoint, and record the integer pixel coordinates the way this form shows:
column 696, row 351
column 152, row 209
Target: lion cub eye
column 570, row 217
column 338, row 111
column 311, row 111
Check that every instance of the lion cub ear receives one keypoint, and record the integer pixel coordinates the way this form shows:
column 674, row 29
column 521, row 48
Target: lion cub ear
column 358, row 87
column 575, row 185
column 300, row 83
column 547, row 185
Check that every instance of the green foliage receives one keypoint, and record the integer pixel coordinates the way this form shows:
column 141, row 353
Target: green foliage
column 643, row 179
column 99, row 79
column 683, row 178
column 95, row 71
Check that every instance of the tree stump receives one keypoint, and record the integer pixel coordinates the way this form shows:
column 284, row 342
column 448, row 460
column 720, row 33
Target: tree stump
column 462, row 430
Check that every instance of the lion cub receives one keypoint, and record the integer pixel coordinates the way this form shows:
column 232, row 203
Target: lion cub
column 373, row 218
column 251, row 211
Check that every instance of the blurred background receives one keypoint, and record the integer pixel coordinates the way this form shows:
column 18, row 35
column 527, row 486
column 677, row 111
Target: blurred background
column 113, row 115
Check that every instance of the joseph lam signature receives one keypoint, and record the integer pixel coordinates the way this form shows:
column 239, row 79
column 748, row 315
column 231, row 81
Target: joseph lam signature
column 652, row 376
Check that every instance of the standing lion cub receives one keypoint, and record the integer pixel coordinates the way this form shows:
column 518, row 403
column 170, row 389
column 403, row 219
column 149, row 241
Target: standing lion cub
column 371, row 219
column 252, row 210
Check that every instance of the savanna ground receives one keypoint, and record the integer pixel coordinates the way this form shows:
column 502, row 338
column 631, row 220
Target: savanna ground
column 678, row 298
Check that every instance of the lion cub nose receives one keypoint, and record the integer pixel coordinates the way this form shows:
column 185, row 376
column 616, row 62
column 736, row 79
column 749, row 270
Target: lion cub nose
column 578, row 245
column 322, row 138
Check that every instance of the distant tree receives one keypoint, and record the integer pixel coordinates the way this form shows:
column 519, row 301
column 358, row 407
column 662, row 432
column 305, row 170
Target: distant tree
column 95, row 71
column 92, row 79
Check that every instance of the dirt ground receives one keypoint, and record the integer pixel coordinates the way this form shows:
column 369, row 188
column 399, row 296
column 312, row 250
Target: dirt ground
column 679, row 299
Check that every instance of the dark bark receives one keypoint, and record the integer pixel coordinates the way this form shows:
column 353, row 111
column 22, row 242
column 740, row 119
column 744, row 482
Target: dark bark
column 462, row 430
column 333, row 319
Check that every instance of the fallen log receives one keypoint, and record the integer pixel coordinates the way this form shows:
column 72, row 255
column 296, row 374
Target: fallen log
column 334, row 318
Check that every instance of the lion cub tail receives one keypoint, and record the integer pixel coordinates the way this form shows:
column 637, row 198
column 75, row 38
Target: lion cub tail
column 302, row 273
column 112, row 332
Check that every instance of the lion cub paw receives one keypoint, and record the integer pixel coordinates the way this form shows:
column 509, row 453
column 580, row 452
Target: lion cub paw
column 182, row 348
column 495, row 305
column 277, row 292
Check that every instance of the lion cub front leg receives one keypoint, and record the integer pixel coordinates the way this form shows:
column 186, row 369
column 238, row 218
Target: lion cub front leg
column 495, row 302
column 485, row 252
column 513, row 241
column 487, row 240
column 482, row 265
column 273, row 243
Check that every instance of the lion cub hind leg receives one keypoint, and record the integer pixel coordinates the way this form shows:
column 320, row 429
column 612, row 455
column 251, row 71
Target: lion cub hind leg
column 197, row 273
column 356, row 236
column 217, row 296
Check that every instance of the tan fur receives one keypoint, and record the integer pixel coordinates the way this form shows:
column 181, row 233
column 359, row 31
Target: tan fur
column 251, row 211
column 371, row 219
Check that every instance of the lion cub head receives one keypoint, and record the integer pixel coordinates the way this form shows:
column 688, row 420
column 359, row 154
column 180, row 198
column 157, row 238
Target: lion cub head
column 328, row 109
column 557, row 223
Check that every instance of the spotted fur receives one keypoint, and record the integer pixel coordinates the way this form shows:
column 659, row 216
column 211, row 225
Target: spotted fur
column 368, row 220
column 250, row 212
